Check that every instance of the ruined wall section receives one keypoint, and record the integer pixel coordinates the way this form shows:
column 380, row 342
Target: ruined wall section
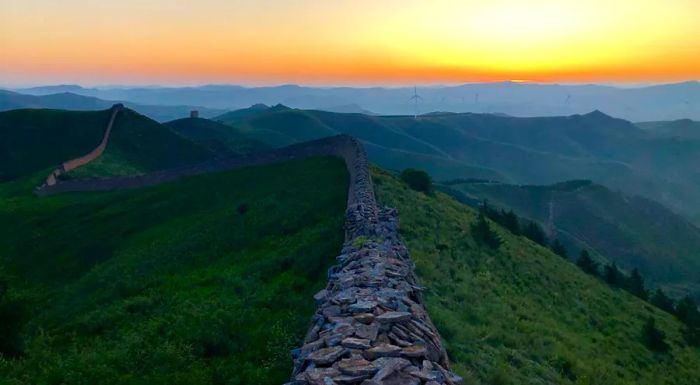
column 72, row 164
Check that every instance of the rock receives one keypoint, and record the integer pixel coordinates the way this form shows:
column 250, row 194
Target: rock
column 390, row 366
column 365, row 318
column 382, row 350
column 401, row 378
column 394, row 316
column 414, row 351
column 331, row 311
column 362, row 306
column 356, row 367
column 321, row 296
column 367, row 331
column 346, row 380
column 356, row 343
column 327, row 356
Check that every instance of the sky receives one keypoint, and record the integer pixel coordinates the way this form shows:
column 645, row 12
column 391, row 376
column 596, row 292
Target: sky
column 352, row 42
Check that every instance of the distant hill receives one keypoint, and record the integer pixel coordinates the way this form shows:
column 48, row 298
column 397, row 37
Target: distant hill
column 684, row 128
column 632, row 231
column 221, row 139
column 34, row 140
column 638, row 104
column 594, row 146
column 66, row 100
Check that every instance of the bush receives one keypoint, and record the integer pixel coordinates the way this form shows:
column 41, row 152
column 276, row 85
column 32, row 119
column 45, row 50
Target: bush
column 559, row 249
column 418, row 180
column 534, row 232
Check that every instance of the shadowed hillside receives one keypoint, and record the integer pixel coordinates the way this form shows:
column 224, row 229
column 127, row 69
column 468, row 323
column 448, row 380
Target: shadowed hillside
column 205, row 280
column 594, row 146
column 523, row 315
column 632, row 231
column 218, row 138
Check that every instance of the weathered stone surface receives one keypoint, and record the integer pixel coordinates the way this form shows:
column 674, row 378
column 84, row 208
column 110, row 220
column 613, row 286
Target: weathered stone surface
column 356, row 343
column 390, row 366
column 414, row 351
column 365, row 318
column 363, row 306
column 367, row 331
column 382, row 350
column 327, row 356
column 394, row 316
column 356, row 367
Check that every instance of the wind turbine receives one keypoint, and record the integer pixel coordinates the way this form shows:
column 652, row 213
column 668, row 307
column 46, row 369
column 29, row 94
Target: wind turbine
column 415, row 99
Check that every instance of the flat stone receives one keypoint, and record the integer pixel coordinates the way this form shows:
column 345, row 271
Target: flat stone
column 382, row 350
column 362, row 306
column 356, row 367
column 321, row 296
column 367, row 331
column 414, row 351
column 390, row 366
column 356, row 343
column 401, row 378
column 327, row 356
column 346, row 380
column 394, row 316
column 365, row 318
column 331, row 311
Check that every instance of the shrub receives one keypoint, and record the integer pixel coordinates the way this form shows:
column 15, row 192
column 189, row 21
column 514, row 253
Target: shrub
column 418, row 180
column 559, row 249
column 662, row 301
column 534, row 232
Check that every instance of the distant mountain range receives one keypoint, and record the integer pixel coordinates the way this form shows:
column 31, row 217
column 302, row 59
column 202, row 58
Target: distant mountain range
column 66, row 100
column 595, row 146
column 653, row 103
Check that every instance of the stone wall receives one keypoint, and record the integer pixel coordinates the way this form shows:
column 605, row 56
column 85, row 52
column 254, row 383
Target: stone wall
column 72, row 164
column 370, row 326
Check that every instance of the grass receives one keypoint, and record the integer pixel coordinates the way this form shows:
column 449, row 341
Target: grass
column 522, row 315
column 206, row 280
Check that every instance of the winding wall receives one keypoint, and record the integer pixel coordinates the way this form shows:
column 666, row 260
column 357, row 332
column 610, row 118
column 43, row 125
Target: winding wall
column 72, row 164
column 370, row 326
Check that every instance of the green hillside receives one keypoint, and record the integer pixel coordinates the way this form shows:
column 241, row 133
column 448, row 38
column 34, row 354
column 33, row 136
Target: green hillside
column 632, row 231
column 218, row 138
column 522, row 315
column 33, row 140
column 594, row 146
column 206, row 280
column 138, row 145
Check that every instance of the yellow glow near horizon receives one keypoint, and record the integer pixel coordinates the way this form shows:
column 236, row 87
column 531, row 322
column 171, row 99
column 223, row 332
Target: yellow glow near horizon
column 361, row 41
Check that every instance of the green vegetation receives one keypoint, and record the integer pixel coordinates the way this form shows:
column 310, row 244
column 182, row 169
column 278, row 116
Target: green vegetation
column 139, row 145
column 632, row 231
column 33, row 140
column 418, row 180
column 218, row 138
column 520, row 314
column 206, row 280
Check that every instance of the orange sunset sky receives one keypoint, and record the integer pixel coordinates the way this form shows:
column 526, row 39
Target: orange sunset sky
column 359, row 42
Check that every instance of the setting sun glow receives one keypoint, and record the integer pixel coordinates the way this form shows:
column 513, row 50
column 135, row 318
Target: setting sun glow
column 348, row 42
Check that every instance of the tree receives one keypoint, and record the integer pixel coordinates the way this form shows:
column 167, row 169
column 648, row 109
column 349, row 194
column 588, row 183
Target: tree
column 418, row 180
column 654, row 338
column 687, row 312
column 612, row 275
column 510, row 222
column 559, row 249
column 483, row 234
column 635, row 285
column 662, row 301
column 587, row 264
column 535, row 233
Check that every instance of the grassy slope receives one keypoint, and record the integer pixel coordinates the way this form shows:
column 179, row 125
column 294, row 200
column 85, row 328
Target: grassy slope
column 522, row 315
column 138, row 145
column 632, row 231
column 220, row 139
column 171, row 284
column 33, row 140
